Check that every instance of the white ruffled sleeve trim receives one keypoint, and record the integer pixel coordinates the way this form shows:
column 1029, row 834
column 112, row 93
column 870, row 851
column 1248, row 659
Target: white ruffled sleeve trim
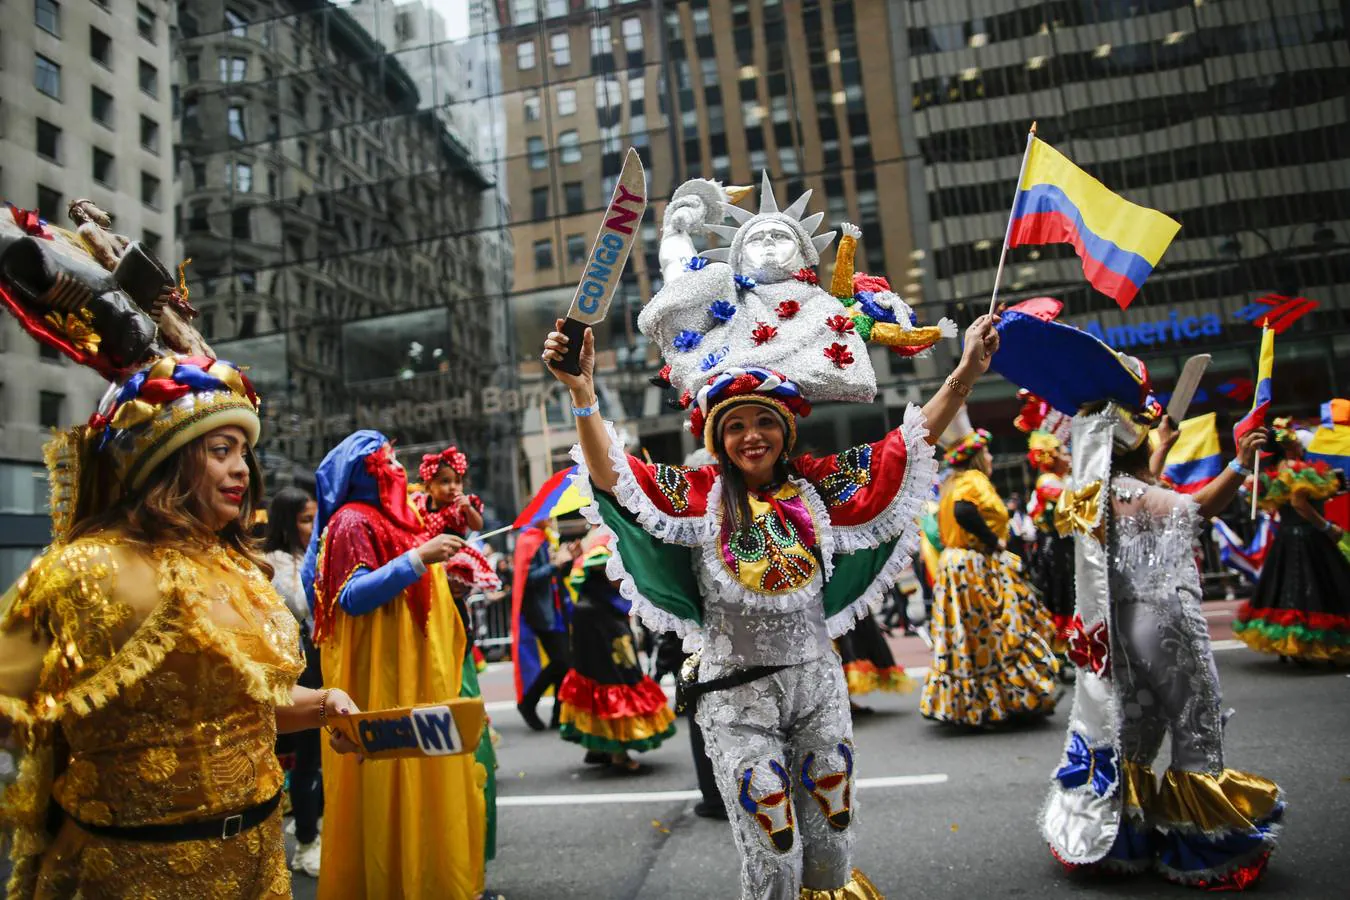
column 901, row 515
column 652, row 616
column 899, row 521
column 687, row 531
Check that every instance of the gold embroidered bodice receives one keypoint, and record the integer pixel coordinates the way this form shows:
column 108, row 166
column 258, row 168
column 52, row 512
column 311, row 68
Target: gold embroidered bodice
column 144, row 681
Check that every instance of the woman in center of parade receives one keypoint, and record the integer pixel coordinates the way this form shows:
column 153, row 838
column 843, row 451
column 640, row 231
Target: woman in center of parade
column 762, row 558
column 992, row 655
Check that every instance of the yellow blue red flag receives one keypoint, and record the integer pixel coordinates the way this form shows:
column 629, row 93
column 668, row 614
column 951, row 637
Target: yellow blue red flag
column 1195, row 459
column 1118, row 241
column 1265, row 368
column 1331, row 442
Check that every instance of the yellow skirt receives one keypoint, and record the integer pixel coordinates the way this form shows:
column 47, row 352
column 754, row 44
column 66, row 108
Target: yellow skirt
column 992, row 643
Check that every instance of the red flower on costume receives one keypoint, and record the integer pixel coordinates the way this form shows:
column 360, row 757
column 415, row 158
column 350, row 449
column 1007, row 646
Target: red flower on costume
column 840, row 324
column 788, row 308
column 864, row 282
column 686, row 399
column 1088, row 648
column 763, row 333
column 839, row 355
column 741, row 384
column 807, row 276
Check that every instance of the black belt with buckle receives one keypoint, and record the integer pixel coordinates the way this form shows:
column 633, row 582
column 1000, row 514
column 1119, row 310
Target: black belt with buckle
column 223, row 828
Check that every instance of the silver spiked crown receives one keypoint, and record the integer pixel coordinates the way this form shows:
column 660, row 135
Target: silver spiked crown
column 809, row 243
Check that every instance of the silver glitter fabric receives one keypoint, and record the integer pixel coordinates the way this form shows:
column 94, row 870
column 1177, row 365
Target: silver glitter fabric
column 782, row 748
column 784, row 326
column 1163, row 663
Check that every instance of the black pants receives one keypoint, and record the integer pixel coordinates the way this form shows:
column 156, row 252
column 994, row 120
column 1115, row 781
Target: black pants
column 558, row 647
column 306, row 783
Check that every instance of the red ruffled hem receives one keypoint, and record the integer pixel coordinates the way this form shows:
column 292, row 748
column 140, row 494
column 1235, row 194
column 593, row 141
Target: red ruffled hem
column 612, row 701
column 1287, row 617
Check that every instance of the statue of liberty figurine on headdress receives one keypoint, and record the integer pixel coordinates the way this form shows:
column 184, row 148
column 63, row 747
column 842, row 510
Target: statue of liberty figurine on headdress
column 759, row 296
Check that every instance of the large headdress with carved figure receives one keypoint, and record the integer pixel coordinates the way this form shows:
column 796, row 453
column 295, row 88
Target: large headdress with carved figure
column 108, row 304
column 803, row 227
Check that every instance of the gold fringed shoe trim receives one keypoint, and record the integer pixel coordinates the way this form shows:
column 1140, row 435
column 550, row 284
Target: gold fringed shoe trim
column 1209, row 804
column 859, row 887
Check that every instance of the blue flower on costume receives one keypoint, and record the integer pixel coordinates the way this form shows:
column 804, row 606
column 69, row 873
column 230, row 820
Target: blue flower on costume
column 1092, row 766
column 687, row 340
column 745, row 282
column 712, row 359
column 695, row 263
column 722, row 310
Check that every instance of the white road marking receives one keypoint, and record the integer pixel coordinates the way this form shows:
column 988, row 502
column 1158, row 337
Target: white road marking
column 1218, row 613
column 674, row 796
column 1227, row 645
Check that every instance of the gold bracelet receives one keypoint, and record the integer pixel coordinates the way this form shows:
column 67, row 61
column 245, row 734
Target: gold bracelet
column 323, row 708
column 962, row 389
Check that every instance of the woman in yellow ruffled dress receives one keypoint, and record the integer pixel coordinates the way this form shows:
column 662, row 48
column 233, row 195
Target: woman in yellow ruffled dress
column 992, row 656
column 146, row 662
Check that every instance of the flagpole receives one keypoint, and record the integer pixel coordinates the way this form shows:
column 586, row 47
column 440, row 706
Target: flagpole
column 1256, row 464
column 1007, row 235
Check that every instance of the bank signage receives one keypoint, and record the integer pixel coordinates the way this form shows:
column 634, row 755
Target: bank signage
column 1173, row 329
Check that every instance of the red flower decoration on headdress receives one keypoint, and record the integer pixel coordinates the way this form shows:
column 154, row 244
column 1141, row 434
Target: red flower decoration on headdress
column 450, row 456
column 807, row 276
column 839, row 355
column 741, row 384
column 1088, row 648
column 788, row 308
column 763, row 333
column 686, row 399
column 840, row 324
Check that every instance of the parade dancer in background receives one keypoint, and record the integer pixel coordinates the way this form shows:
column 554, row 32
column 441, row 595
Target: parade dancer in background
column 1141, row 645
column 1051, row 566
column 1301, row 607
column 445, row 508
column 609, row 706
column 992, row 658
column 540, row 613
column 290, row 522
column 763, row 558
column 388, row 632
column 869, row 664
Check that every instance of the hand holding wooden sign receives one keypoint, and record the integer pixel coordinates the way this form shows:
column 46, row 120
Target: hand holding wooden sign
column 439, row 729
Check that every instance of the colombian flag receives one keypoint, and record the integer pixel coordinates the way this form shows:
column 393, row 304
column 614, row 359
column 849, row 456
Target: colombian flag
column 1265, row 367
column 1118, row 241
column 1195, row 459
column 1331, row 442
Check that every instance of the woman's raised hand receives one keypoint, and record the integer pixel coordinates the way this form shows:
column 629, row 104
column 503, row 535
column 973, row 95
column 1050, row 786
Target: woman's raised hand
column 980, row 346
column 555, row 346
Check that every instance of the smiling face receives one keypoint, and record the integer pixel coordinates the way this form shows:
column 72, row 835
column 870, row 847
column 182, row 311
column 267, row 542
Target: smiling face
column 223, row 484
column 445, row 487
column 753, row 437
column 769, row 252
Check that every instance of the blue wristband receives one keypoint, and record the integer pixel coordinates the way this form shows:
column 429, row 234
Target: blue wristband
column 582, row 411
column 1236, row 466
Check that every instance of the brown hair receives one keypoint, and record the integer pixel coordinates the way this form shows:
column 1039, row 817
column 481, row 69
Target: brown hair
column 168, row 507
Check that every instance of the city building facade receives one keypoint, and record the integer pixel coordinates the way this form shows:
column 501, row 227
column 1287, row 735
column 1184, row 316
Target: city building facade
column 333, row 220
column 85, row 112
column 1231, row 117
column 701, row 88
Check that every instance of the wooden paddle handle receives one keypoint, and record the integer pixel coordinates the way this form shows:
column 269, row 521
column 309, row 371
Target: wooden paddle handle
column 576, row 334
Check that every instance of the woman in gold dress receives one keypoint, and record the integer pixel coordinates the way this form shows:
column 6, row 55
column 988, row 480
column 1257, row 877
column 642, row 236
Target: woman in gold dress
column 146, row 662
column 992, row 658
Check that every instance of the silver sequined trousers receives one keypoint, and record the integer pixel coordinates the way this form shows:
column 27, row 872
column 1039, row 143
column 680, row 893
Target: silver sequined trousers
column 782, row 746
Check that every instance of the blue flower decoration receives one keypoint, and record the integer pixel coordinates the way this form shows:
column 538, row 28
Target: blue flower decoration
column 713, row 359
column 1094, row 767
column 687, row 340
column 869, row 306
column 746, row 283
column 722, row 310
column 695, row 263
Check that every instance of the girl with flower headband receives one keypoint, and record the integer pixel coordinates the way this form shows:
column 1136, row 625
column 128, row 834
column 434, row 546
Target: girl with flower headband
column 146, row 661
column 762, row 558
column 1301, row 607
column 1138, row 639
column 992, row 658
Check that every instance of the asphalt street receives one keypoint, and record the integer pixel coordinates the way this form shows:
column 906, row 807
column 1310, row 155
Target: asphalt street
column 943, row 813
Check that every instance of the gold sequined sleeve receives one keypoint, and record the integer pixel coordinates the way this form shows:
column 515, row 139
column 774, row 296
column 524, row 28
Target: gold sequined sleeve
column 62, row 622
